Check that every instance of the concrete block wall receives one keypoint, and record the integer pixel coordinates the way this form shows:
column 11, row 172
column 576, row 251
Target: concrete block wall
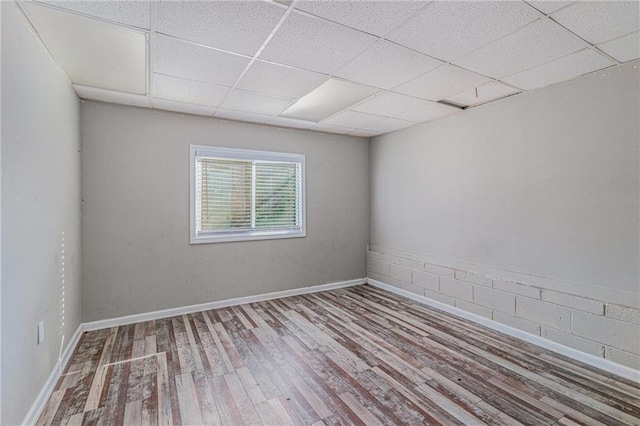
column 600, row 328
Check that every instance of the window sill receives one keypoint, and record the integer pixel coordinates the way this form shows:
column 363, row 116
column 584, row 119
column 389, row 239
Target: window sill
column 225, row 238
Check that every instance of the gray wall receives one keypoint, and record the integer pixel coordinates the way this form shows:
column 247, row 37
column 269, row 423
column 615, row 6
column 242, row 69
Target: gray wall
column 135, row 213
column 40, row 207
column 544, row 184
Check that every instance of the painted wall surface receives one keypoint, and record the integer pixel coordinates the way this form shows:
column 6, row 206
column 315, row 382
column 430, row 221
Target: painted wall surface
column 40, row 213
column 544, row 184
column 135, row 213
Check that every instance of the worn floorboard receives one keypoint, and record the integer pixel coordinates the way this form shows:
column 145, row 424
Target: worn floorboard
column 358, row 355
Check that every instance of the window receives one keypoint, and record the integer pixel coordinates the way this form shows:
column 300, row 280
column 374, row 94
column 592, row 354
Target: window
column 238, row 195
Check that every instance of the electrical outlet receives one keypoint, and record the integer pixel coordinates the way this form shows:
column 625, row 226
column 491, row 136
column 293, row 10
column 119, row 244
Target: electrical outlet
column 40, row 332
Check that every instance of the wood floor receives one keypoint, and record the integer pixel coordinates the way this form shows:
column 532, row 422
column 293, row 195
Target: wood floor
column 357, row 355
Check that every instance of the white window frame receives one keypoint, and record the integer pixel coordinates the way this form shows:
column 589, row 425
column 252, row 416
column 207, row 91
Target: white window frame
column 244, row 154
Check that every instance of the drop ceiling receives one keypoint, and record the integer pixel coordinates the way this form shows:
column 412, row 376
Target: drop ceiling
column 362, row 68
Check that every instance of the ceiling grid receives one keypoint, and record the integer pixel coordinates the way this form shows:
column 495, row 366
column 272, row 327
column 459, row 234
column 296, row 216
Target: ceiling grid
column 353, row 67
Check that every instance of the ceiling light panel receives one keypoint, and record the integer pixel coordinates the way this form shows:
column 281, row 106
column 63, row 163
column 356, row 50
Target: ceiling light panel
column 237, row 26
column 290, row 122
column 243, row 100
column 329, row 98
column 93, row 53
column 389, row 125
column 566, row 68
column 539, row 42
column 134, row 13
column 189, row 91
column 182, row 59
column 111, row 96
column 353, row 119
column 448, row 29
column 389, row 104
column 600, row 21
column 373, row 17
column 482, row 94
column 548, row 6
column 386, row 65
column 182, row 107
column 431, row 111
column 326, row 128
column 279, row 80
column 624, row 49
column 444, row 81
column 241, row 116
column 315, row 44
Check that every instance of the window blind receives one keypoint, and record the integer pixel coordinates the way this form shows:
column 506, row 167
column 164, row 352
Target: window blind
column 245, row 196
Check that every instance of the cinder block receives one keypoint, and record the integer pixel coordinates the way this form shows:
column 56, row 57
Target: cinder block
column 426, row 280
column 412, row 264
column 412, row 288
column 402, row 274
column 439, row 270
column 623, row 313
column 618, row 334
column 519, row 323
column 438, row 297
column 379, row 267
column 517, row 288
column 495, row 299
column 575, row 342
column 622, row 357
column 389, row 258
column 472, row 278
column 458, row 289
column 544, row 313
column 574, row 302
column 372, row 255
column 474, row 309
column 375, row 276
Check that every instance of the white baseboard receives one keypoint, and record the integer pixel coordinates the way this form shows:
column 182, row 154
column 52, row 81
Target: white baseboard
column 165, row 313
column 592, row 360
column 47, row 389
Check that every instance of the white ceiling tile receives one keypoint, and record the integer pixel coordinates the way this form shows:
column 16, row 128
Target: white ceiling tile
column 482, row 94
column 386, row 65
column 174, row 106
column 444, row 81
column 562, row 69
column 539, row 42
column 548, row 6
column 353, row 119
column 373, row 17
column 189, row 91
column 243, row 100
column 278, row 80
column 237, row 26
column 123, row 98
column 389, row 104
column 187, row 60
column 315, row 44
column 431, row 111
column 329, row 98
column 135, row 13
column 389, row 125
column 290, row 122
column 599, row 21
column 448, row 29
column 624, row 49
column 93, row 53
column 325, row 128
column 364, row 133
column 241, row 116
